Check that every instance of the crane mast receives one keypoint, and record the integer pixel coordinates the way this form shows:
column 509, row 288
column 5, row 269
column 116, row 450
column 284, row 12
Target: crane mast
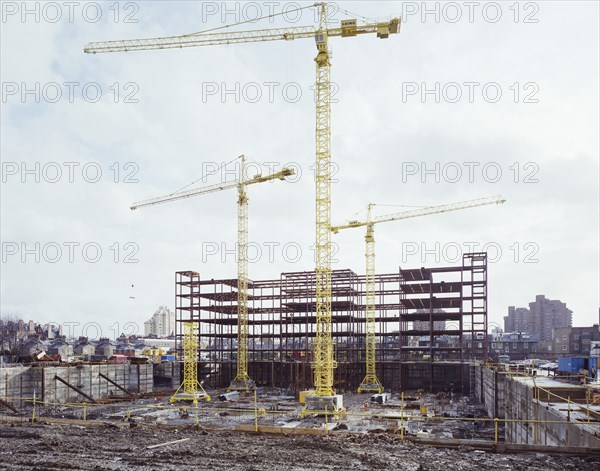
column 190, row 385
column 242, row 381
column 324, row 363
column 371, row 382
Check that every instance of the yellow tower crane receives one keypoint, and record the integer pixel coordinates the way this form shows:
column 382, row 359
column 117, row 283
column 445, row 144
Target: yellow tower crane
column 192, row 389
column 371, row 382
column 324, row 362
column 242, row 381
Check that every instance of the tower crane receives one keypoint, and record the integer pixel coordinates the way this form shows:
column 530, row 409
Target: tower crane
column 190, row 384
column 242, row 381
column 324, row 362
column 371, row 382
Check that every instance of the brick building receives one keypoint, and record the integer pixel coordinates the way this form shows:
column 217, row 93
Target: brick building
column 517, row 345
column 573, row 341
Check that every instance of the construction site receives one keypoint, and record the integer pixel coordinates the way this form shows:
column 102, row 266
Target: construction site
column 436, row 398
column 423, row 319
column 317, row 369
column 100, row 417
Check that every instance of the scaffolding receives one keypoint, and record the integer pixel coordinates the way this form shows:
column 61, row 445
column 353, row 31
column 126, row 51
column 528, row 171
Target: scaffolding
column 430, row 324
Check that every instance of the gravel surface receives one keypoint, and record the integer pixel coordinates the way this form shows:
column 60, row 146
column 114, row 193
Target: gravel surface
column 58, row 447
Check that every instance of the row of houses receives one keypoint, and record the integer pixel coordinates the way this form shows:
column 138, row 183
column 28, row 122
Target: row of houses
column 83, row 348
column 565, row 341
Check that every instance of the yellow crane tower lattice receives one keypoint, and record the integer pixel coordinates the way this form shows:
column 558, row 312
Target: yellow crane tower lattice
column 192, row 389
column 371, row 381
column 242, row 381
column 324, row 363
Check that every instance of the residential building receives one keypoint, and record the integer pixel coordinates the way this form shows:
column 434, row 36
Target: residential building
column 497, row 330
column 105, row 347
column 541, row 318
column 161, row 324
column 517, row 345
column 546, row 349
column 574, row 341
column 84, row 348
column 519, row 319
column 549, row 314
column 124, row 349
column 31, row 346
column 60, row 347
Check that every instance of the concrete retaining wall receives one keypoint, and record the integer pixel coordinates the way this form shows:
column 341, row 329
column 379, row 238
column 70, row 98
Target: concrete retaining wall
column 521, row 405
column 514, row 400
column 167, row 375
column 490, row 390
column 22, row 381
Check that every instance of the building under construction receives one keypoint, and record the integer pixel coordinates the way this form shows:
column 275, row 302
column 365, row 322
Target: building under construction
column 431, row 322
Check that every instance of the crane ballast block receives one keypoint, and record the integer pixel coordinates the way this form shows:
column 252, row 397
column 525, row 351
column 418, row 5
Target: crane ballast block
column 320, row 404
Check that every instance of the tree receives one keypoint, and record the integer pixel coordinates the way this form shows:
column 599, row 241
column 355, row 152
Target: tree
column 9, row 335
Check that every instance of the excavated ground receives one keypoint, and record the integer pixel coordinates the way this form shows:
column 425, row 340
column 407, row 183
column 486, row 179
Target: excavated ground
column 108, row 447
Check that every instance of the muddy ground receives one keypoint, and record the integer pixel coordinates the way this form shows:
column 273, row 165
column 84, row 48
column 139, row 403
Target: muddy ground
column 67, row 447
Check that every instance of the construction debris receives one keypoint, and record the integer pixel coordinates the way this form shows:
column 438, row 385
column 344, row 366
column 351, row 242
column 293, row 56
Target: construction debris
column 167, row 443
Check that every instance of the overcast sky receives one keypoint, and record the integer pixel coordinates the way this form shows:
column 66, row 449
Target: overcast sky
column 465, row 102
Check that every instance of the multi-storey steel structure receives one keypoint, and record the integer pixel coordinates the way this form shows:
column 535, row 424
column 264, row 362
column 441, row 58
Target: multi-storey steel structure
column 412, row 305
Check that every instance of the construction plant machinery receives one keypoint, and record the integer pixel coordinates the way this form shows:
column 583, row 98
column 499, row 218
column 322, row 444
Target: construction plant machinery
column 242, row 381
column 371, row 382
column 325, row 399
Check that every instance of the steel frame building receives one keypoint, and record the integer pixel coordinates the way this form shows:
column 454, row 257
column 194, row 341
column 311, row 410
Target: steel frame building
column 431, row 322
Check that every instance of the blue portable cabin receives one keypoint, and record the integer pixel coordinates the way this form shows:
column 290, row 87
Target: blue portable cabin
column 572, row 364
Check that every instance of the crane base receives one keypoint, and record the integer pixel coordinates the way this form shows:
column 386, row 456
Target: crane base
column 370, row 387
column 324, row 405
column 370, row 383
column 189, row 397
column 241, row 385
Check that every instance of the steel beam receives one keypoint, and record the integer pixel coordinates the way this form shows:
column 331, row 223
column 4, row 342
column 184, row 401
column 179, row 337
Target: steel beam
column 114, row 383
column 74, row 388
